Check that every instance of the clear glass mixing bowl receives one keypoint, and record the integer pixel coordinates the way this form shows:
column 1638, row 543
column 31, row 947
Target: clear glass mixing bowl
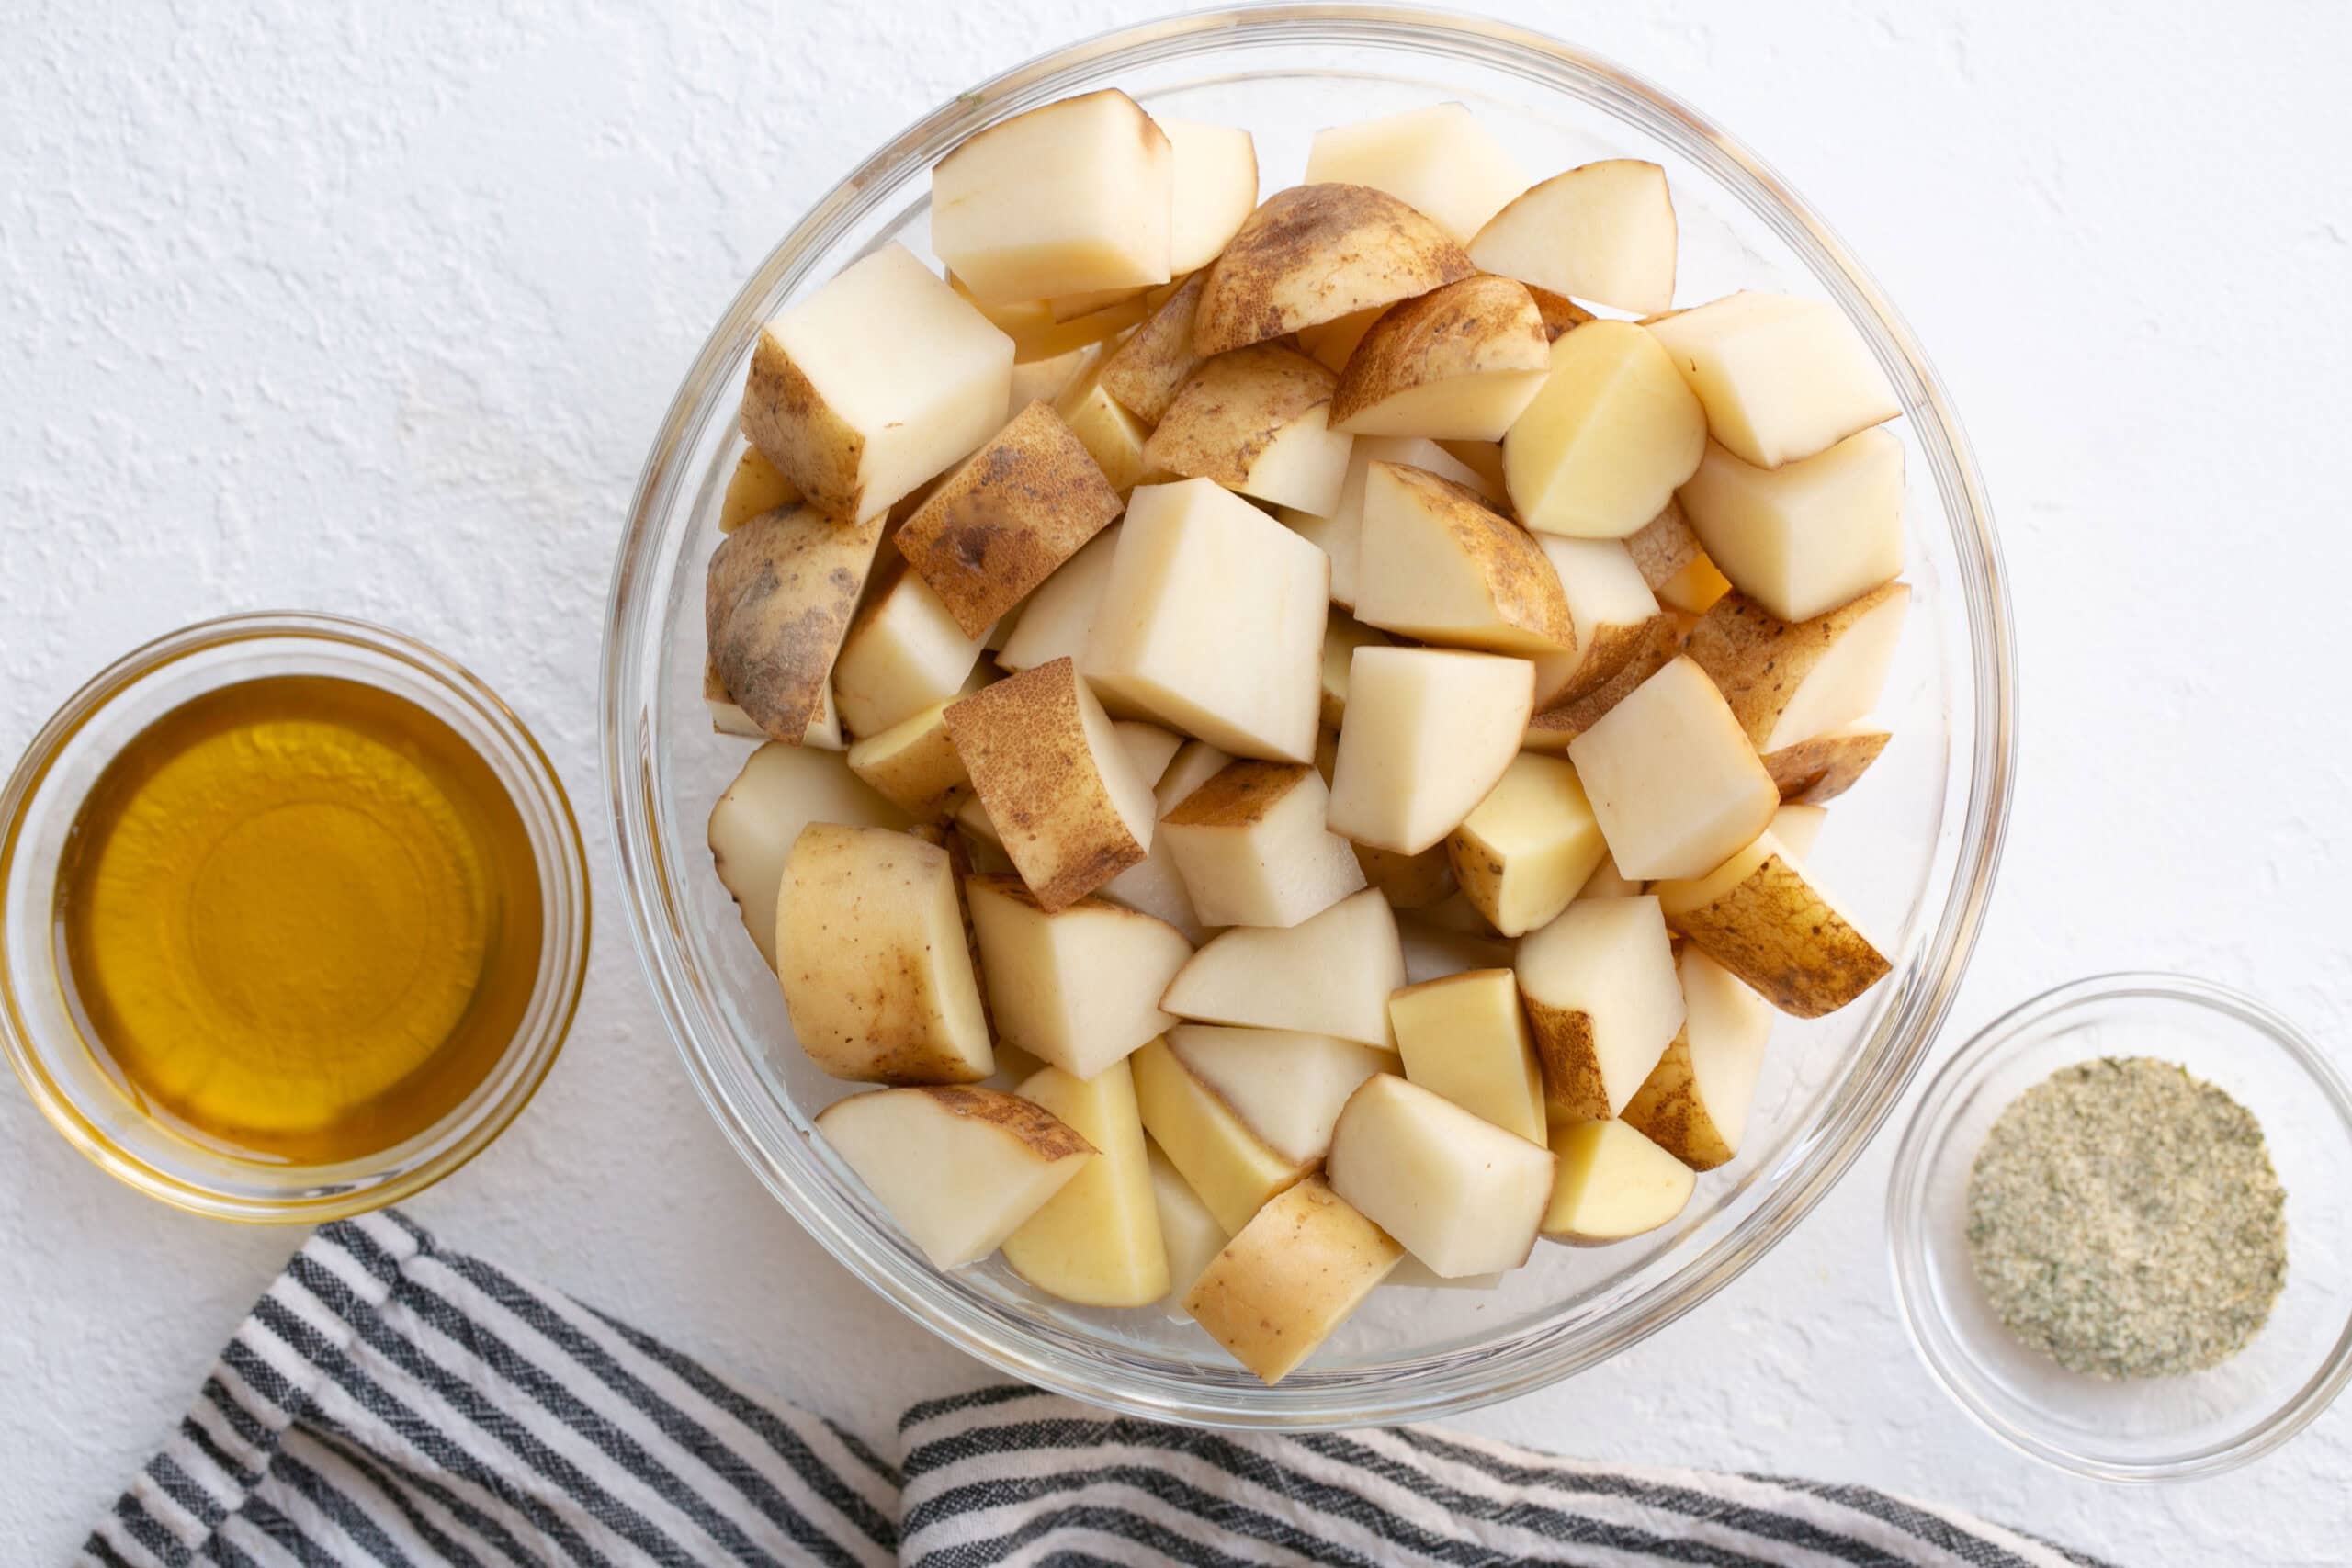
column 1913, row 849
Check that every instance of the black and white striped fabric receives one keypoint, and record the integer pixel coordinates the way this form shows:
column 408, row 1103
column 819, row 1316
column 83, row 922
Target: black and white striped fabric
column 390, row 1401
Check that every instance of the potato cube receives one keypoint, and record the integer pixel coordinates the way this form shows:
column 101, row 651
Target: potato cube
column 1827, row 765
column 874, row 382
column 1613, row 610
column 1340, row 535
column 1604, row 444
column 1556, row 727
column 1294, row 1273
column 1148, row 369
column 1602, row 231
column 781, row 790
column 1603, row 1000
column 1330, row 973
column 958, row 1168
column 1228, row 1165
column 1287, row 1086
column 997, row 526
column 1215, row 190
column 1212, row 622
column 1458, row 363
column 1096, row 1242
column 902, row 653
column 1613, row 1184
column 1313, row 254
column 776, row 604
column 1781, row 378
column 1788, row 683
column 1055, row 781
column 1761, row 918
column 1457, row 1191
column 1672, row 778
column 755, row 487
column 1464, row 1037
column 1522, row 855
column 1077, row 987
column 1803, row 539
column 1253, row 849
column 1071, row 196
column 876, row 977
column 1694, row 1103
column 1187, row 1230
column 1442, row 565
column 1439, row 160
column 913, row 765
column 1256, row 421
column 1055, row 621
column 1428, row 732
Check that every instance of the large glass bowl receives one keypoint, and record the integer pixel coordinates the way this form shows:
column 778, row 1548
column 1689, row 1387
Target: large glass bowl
column 1913, row 848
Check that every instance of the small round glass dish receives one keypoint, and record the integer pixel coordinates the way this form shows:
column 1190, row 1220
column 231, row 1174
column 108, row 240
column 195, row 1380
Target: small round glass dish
column 43, row 1030
column 2158, row 1429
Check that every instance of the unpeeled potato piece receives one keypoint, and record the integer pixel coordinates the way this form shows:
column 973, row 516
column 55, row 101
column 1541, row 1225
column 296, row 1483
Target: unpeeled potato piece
column 1788, row 681
column 778, row 601
column 1762, row 918
column 1290, row 1276
column 1457, row 363
column 1827, row 766
column 1315, row 252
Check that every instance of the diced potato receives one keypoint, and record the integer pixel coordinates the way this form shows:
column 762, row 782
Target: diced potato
column 1148, row 747
column 1044, row 380
column 1111, row 436
column 754, row 487
column 874, row 382
column 1294, row 1274
column 1457, row 1191
column 1037, row 336
column 958, row 1168
column 1434, row 952
column 781, row 790
column 1798, row 826
column 1465, row 1038
column 1253, row 850
column 1607, row 440
column 1256, row 421
column 1484, row 458
column 1027, row 501
column 1428, row 731
column 1761, row 918
column 1215, row 188
column 776, row 604
column 1695, row 1104
column 1803, row 539
column 913, row 765
column 1603, row 1000
column 1441, row 565
column 1675, row 565
column 1340, row 535
column 1342, row 635
column 1315, row 252
column 876, row 977
column 1781, row 378
column 1188, row 1232
column 1554, row 727
column 1522, row 855
column 902, row 653
column 1439, row 160
column 1331, row 343
column 1212, row 622
column 1330, row 973
column 1097, row 1241
column 1672, row 778
column 1153, row 884
column 1146, row 371
column 1608, row 882
column 1458, row 363
column 1408, row 882
column 1602, row 231
column 727, row 717
column 1286, row 1087
column 1612, row 1184
column 1071, row 196
column 1055, row 621
column 1827, row 765
column 1229, row 1168
column 1613, row 609
column 1790, row 683
column 1077, row 987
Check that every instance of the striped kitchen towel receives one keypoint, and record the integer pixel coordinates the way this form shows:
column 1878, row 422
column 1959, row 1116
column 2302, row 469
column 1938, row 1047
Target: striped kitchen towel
column 391, row 1401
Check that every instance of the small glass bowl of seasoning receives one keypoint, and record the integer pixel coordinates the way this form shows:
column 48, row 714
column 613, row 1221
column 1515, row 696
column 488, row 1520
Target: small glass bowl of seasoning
column 296, row 918
column 2121, row 1229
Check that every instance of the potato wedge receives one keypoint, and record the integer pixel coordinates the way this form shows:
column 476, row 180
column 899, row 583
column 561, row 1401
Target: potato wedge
column 1149, row 367
column 1612, row 1184
column 1256, row 421
column 1111, row 436
column 1341, row 533
column 1442, row 565
column 1789, row 682
column 1293, row 1274
column 1458, row 363
column 1806, row 538
column 1781, row 378
column 1027, row 501
column 1315, row 252
column 874, row 382
column 1603, row 1002
column 1611, row 433
column 1602, row 231
column 960, row 1169
column 1437, row 159
column 1096, row 1241
column 1694, row 1103
column 778, row 601
column 1557, row 726
column 1827, row 766
column 1613, row 609
column 1761, row 918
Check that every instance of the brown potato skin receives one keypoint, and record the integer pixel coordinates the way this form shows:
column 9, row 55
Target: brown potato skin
column 795, row 429
column 1231, row 409
column 1313, row 254
column 1238, row 794
column 1572, row 1090
column 1560, row 313
column 1664, row 545
column 1145, row 372
column 997, row 526
column 1775, row 932
column 1660, row 645
column 1759, row 660
column 1052, row 1138
column 1525, row 590
column 1023, row 742
column 1293, row 1274
column 1479, row 325
column 779, row 599
column 1813, row 772
column 1667, row 1111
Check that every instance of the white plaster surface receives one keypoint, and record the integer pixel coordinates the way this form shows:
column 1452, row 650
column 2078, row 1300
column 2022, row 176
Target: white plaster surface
column 375, row 311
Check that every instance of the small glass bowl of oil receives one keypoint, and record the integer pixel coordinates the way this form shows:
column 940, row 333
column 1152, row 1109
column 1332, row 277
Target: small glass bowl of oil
column 296, row 918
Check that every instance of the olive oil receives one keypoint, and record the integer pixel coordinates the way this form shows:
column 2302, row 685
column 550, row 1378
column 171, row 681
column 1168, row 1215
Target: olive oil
column 298, row 919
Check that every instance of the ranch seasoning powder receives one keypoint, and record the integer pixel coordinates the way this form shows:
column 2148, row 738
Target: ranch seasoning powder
column 2124, row 1219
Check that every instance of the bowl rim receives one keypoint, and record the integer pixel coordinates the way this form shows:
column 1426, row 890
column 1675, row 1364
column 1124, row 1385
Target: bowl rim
column 1945, row 1352
column 469, row 1128
column 1943, row 950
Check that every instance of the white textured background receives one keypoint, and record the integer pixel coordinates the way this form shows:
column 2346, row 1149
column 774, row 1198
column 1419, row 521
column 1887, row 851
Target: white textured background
column 375, row 312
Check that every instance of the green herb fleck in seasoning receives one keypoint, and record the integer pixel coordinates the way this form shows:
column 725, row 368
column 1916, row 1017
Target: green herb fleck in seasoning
column 2124, row 1219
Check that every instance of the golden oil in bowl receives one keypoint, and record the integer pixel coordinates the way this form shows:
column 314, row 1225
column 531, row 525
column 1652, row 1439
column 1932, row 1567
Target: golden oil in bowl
column 298, row 919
